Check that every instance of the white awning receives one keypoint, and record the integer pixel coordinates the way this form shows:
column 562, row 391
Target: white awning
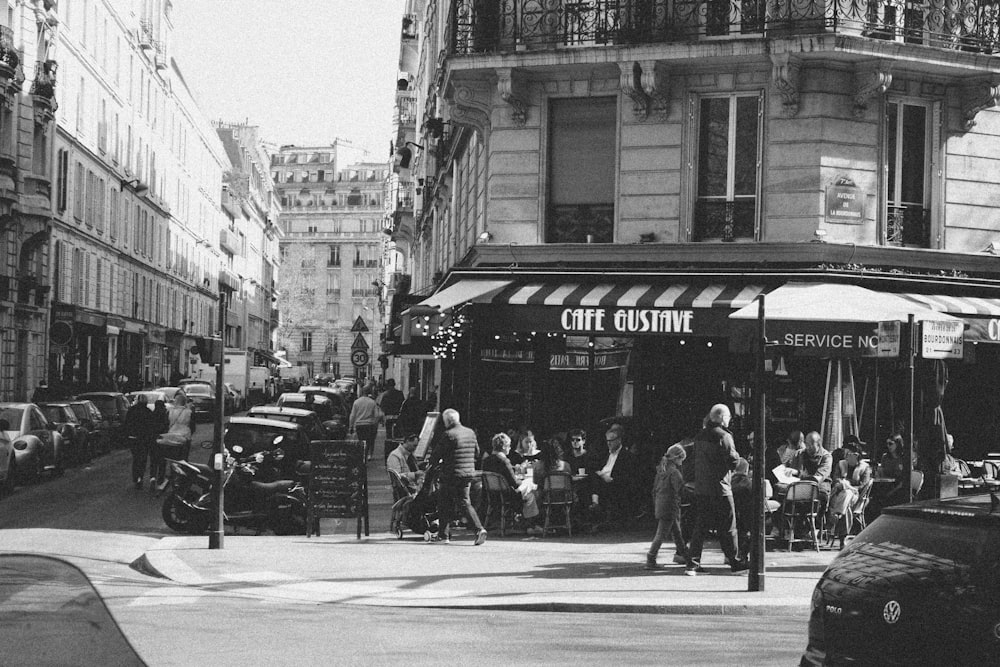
column 464, row 291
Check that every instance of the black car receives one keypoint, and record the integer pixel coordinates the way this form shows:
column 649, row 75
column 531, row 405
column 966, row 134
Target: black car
column 920, row 585
column 202, row 399
column 113, row 406
column 98, row 428
column 75, row 435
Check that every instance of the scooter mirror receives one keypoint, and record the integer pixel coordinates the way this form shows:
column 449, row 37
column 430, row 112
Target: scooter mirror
column 237, row 449
column 278, row 440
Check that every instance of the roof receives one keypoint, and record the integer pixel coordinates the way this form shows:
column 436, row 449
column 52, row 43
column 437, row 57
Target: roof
column 278, row 409
column 297, row 397
column 976, row 508
column 99, row 393
column 270, row 423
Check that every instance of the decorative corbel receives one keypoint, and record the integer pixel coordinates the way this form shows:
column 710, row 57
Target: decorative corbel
column 631, row 84
column 785, row 76
column 870, row 80
column 511, row 87
column 975, row 97
column 469, row 106
column 656, row 85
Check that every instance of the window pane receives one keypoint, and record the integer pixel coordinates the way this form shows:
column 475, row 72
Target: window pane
column 713, row 147
column 582, row 151
column 890, row 146
column 914, row 153
column 746, row 146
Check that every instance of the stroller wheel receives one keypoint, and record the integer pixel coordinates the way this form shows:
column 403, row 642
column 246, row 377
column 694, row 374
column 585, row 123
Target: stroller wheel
column 399, row 532
column 427, row 536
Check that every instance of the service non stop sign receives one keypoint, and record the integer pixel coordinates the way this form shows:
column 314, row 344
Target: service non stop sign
column 359, row 358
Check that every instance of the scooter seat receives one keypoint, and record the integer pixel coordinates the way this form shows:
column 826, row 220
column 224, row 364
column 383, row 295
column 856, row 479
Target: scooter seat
column 268, row 488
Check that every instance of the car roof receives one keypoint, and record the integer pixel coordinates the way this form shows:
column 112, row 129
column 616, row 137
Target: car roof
column 14, row 404
column 257, row 421
column 280, row 409
column 54, row 404
column 108, row 394
column 302, row 397
column 976, row 508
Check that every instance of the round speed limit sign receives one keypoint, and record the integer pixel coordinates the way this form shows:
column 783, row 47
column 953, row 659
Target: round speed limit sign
column 359, row 358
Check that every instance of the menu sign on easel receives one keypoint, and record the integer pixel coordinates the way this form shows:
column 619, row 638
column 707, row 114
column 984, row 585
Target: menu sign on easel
column 338, row 483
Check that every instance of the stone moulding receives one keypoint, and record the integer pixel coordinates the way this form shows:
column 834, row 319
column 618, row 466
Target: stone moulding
column 785, row 76
column 976, row 97
column 631, row 86
column 510, row 84
column 469, row 106
column 645, row 83
column 869, row 80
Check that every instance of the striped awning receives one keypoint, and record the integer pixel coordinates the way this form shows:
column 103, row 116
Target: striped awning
column 957, row 305
column 628, row 295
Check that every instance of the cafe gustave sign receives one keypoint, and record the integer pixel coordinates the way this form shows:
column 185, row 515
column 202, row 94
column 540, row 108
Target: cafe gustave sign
column 628, row 320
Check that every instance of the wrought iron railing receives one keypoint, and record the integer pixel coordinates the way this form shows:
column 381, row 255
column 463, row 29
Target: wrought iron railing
column 583, row 223
column 722, row 220
column 908, row 225
column 44, row 84
column 482, row 26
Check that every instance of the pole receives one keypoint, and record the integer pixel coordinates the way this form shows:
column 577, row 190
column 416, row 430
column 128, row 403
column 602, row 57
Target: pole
column 757, row 572
column 219, row 524
column 912, row 355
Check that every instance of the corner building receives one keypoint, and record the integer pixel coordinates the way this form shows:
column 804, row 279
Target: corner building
column 599, row 186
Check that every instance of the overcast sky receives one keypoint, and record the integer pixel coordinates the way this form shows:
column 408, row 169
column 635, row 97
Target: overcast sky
column 305, row 71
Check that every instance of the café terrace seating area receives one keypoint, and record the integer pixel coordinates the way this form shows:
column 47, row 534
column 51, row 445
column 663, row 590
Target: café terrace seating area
column 497, row 26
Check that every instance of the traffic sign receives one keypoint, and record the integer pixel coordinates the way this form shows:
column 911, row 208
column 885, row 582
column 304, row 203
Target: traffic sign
column 359, row 325
column 359, row 358
column 359, row 343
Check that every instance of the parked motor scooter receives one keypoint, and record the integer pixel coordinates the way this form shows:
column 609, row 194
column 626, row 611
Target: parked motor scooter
column 254, row 496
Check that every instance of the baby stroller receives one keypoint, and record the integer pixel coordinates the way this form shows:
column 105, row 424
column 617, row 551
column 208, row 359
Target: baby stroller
column 418, row 511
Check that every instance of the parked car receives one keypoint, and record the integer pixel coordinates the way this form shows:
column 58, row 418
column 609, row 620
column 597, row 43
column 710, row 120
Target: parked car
column 152, row 396
column 170, row 393
column 202, row 399
column 98, row 428
column 7, row 466
column 70, row 427
column 113, row 407
column 337, row 399
column 233, row 399
column 257, row 435
column 306, row 418
column 186, row 381
column 38, row 446
column 919, row 585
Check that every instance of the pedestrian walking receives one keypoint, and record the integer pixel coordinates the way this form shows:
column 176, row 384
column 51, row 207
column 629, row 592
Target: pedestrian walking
column 667, row 488
column 140, row 429
column 162, row 424
column 455, row 451
column 715, row 458
column 365, row 418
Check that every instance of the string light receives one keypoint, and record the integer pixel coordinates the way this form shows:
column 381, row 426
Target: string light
column 444, row 342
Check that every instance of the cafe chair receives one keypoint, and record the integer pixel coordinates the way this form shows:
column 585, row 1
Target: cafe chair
column 916, row 483
column 968, row 483
column 498, row 497
column 991, row 475
column 799, row 511
column 557, row 495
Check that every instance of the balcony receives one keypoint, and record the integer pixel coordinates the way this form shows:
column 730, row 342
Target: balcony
column 721, row 220
column 908, row 225
column 516, row 25
column 584, row 223
column 43, row 90
column 227, row 241
column 9, row 57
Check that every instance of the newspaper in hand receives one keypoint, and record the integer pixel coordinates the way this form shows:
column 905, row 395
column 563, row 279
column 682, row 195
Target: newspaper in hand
column 785, row 475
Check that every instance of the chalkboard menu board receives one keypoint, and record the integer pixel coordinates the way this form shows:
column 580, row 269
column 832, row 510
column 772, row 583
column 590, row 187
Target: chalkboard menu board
column 338, row 483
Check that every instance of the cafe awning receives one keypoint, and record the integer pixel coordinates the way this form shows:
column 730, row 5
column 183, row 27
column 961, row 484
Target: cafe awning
column 462, row 292
column 981, row 314
column 628, row 294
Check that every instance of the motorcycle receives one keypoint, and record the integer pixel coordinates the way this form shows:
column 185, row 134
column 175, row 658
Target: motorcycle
column 254, row 495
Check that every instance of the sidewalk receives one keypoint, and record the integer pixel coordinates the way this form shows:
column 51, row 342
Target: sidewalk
column 593, row 573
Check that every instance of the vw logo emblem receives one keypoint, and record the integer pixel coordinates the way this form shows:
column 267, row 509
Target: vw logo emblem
column 891, row 611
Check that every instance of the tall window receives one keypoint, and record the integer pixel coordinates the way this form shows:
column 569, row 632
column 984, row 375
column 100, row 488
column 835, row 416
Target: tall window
column 334, row 259
column 582, row 169
column 908, row 144
column 62, row 173
column 307, row 341
column 728, row 148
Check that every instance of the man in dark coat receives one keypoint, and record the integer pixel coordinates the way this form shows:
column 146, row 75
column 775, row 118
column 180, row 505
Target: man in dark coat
column 141, row 427
column 613, row 485
column 455, row 452
column 390, row 401
column 715, row 457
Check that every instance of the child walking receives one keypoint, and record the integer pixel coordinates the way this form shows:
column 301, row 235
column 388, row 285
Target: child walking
column 667, row 503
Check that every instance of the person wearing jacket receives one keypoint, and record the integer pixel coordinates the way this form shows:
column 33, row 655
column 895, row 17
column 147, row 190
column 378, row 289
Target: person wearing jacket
column 715, row 458
column 365, row 418
column 667, row 488
column 455, row 454
column 141, row 429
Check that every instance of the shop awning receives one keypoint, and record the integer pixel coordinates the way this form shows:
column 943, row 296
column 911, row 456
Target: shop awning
column 981, row 315
column 625, row 294
column 266, row 355
column 464, row 291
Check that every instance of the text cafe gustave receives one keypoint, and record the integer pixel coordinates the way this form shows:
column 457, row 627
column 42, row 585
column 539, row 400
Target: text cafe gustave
column 601, row 321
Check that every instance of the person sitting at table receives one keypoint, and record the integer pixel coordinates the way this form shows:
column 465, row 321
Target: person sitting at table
column 949, row 464
column 794, row 444
column 815, row 464
column 549, row 460
column 852, row 480
column 612, row 486
column 401, row 461
column 578, row 456
column 526, row 450
column 497, row 461
column 893, row 460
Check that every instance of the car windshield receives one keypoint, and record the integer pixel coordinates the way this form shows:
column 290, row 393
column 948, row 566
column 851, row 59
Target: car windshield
column 197, row 390
column 911, row 537
column 54, row 413
column 169, row 392
column 80, row 410
column 255, row 437
column 13, row 417
column 106, row 404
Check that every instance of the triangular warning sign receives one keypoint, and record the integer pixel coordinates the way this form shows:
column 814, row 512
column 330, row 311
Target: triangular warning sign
column 359, row 325
column 359, row 343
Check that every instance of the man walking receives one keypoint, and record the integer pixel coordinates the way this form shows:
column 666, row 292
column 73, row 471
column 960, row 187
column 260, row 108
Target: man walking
column 715, row 457
column 141, row 429
column 390, row 401
column 455, row 451
column 365, row 418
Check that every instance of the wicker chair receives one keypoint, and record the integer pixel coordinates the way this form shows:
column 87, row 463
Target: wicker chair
column 556, row 493
column 498, row 498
